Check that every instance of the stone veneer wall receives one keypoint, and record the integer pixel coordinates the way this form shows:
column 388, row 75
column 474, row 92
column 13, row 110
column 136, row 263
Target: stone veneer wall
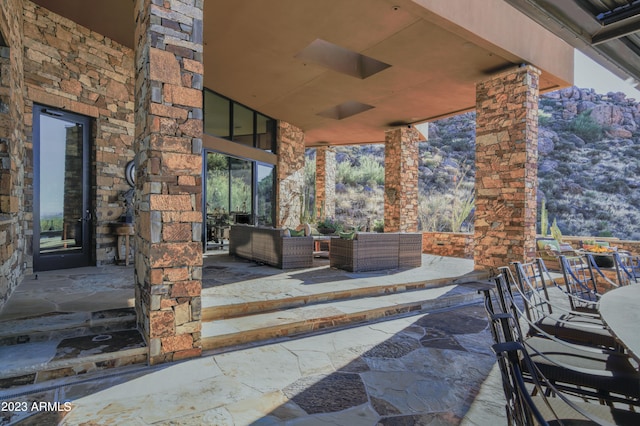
column 325, row 182
column 169, row 129
column 290, row 175
column 401, row 180
column 12, row 150
column 506, row 167
column 452, row 244
column 68, row 66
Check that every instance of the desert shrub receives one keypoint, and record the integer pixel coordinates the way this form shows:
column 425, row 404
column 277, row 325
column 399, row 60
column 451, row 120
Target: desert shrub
column 584, row 126
column 544, row 118
column 368, row 171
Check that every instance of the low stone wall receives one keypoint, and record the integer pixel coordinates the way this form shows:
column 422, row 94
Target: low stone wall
column 452, row 244
column 461, row 245
column 631, row 246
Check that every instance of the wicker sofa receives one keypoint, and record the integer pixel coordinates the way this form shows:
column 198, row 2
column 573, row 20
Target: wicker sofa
column 271, row 246
column 371, row 251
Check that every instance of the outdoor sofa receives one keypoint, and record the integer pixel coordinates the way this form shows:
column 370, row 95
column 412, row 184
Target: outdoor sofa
column 272, row 246
column 372, row 251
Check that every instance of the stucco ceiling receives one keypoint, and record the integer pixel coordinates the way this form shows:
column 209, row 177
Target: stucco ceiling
column 253, row 54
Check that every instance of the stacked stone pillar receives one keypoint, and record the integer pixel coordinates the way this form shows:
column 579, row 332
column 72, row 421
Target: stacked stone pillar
column 506, row 167
column 14, row 259
column 325, row 201
column 401, row 180
column 290, row 175
column 168, row 146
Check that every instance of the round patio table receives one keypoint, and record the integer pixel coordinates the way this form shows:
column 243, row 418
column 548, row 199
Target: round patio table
column 620, row 311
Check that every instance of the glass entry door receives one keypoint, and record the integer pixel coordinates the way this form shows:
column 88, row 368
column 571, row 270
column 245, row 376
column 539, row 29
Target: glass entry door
column 61, row 211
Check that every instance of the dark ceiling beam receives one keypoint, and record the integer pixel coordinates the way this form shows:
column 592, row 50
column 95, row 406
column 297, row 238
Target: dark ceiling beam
column 622, row 28
column 619, row 14
column 615, row 33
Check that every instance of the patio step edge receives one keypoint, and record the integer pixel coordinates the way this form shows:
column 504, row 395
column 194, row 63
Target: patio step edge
column 299, row 328
column 46, row 371
column 212, row 313
column 65, row 325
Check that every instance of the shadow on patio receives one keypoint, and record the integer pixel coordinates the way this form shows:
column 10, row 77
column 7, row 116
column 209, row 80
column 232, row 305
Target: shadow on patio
column 288, row 303
column 406, row 371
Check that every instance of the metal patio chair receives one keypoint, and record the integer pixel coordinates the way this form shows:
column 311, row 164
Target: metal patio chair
column 524, row 409
column 553, row 318
column 581, row 282
column 575, row 369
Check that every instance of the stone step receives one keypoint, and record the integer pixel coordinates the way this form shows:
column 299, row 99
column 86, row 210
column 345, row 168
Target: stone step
column 212, row 313
column 57, row 358
column 46, row 347
column 258, row 328
column 64, row 325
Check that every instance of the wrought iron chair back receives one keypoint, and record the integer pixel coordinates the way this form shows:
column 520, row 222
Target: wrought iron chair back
column 580, row 281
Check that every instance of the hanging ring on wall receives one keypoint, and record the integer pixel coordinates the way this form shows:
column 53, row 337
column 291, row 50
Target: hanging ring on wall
column 130, row 173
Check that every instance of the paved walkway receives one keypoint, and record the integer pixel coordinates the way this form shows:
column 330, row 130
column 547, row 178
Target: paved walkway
column 421, row 370
column 225, row 280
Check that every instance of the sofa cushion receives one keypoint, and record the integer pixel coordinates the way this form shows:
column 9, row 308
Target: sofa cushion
column 548, row 244
column 348, row 235
column 296, row 233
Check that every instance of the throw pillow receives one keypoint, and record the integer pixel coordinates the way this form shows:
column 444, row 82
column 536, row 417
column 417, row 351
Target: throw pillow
column 295, row 233
column 348, row 235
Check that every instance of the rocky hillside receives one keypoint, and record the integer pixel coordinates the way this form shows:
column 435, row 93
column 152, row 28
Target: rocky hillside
column 589, row 162
column 589, row 168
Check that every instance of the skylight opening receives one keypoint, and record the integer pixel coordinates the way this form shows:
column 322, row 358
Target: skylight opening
column 345, row 110
column 339, row 59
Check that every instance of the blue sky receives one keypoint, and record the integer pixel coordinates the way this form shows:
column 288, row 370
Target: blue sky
column 590, row 75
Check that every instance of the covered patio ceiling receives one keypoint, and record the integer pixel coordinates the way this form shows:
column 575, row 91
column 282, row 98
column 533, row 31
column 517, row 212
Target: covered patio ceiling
column 344, row 71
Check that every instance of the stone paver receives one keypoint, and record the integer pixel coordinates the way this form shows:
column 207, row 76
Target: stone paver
column 74, row 290
column 425, row 369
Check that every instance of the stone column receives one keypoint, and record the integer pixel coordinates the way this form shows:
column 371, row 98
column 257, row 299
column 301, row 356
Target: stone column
column 168, row 147
column 325, row 182
column 506, row 167
column 290, row 175
column 401, row 180
column 15, row 252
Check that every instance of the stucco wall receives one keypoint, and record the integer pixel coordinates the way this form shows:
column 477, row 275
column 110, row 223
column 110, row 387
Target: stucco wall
column 68, row 66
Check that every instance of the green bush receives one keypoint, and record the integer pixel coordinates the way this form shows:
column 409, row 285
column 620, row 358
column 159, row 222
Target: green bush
column 368, row 171
column 584, row 126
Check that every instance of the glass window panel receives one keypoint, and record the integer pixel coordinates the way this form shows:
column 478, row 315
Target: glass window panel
column 265, row 133
column 241, row 191
column 61, row 185
column 216, row 115
column 217, row 197
column 264, row 194
column 242, row 125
